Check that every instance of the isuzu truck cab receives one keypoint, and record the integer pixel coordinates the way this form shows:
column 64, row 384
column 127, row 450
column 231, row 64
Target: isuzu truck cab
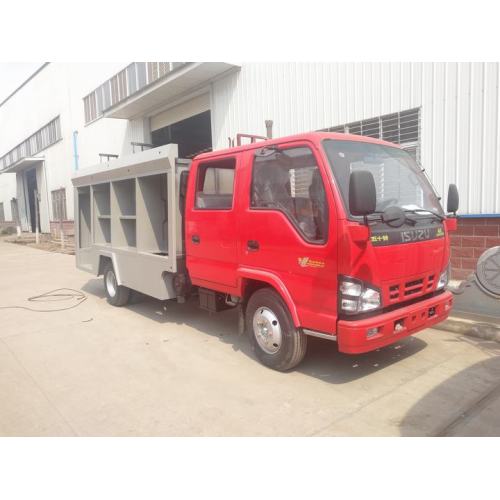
column 335, row 236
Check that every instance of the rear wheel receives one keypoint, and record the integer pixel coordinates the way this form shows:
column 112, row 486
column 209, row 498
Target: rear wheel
column 276, row 341
column 117, row 295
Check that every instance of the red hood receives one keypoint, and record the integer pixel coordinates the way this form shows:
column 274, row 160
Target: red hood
column 401, row 271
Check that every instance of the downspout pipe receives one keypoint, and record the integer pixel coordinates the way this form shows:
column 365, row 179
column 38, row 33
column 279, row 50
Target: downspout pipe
column 75, row 149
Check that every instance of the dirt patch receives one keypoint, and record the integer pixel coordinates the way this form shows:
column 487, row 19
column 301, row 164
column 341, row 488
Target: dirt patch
column 47, row 245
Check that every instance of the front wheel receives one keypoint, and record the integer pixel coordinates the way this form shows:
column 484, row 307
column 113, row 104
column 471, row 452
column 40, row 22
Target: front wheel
column 118, row 295
column 276, row 341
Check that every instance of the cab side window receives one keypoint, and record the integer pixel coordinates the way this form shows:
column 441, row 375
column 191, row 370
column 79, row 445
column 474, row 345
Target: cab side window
column 289, row 180
column 215, row 185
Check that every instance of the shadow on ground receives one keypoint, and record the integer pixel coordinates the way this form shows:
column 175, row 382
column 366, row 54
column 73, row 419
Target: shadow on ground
column 323, row 360
column 479, row 386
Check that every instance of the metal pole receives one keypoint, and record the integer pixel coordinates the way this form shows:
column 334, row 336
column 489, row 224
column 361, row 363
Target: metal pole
column 37, row 233
column 269, row 129
column 15, row 215
column 61, row 227
column 75, row 148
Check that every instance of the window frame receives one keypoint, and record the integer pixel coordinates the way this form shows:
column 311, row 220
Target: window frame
column 59, row 201
column 204, row 165
column 293, row 222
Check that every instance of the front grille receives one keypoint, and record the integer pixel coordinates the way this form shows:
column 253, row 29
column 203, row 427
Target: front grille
column 413, row 287
column 405, row 290
column 394, row 291
column 430, row 282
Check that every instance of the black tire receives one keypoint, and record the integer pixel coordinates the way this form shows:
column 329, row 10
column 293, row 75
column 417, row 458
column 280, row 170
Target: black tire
column 121, row 295
column 292, row 349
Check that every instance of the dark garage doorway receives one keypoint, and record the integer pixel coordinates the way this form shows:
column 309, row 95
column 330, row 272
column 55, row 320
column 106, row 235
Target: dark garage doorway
column 32, row 189
column 193, row 135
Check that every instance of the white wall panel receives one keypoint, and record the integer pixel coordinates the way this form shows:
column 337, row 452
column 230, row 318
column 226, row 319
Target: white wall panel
column 7, row 192
column 476, row 138
column 489, row 187
column 450, row 118
column 460, row 131
column 460, row 127
column 58, row 90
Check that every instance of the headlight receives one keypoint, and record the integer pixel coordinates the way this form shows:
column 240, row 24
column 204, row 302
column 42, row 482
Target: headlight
column 356, row 296
column 443, row 279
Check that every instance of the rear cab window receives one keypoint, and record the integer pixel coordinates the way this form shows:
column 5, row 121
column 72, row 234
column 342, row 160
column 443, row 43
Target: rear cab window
column 215, row 185
column 289, row 180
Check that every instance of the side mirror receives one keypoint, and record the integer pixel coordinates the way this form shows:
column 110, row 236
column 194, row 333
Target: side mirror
column 453, row 198
column 362, row 193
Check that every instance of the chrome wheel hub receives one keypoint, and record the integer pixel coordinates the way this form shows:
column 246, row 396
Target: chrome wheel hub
column 267, row 330
column 111, row 283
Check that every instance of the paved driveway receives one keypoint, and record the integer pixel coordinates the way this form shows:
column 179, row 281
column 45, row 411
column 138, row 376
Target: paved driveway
column 95, row 370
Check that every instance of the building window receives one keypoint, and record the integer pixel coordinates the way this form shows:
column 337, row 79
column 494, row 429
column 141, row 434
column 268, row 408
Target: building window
column 2, row 213
column 214, row 185
column 59, row 204
column 402, row 128
column 40, row 140
column 90, row 108
column 152, row 71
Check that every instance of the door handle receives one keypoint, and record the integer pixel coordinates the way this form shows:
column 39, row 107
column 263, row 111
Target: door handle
column 195, row 239
column 253, row 245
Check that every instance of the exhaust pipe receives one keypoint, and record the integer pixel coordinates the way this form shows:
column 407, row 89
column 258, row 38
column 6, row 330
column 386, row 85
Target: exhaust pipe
column 269, row 129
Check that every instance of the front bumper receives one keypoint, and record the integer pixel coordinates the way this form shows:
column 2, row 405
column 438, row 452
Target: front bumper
column 353, row 336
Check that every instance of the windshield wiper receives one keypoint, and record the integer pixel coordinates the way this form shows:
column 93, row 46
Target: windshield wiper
column 421, row 210
column 380, row 213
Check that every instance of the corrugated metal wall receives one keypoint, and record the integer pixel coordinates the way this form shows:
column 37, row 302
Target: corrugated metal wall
column 460, row 130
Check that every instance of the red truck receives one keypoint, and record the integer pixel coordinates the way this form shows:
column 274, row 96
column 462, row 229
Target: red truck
column 335, row 236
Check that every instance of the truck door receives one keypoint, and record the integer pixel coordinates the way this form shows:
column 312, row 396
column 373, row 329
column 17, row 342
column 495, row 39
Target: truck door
column 287, row 228
column 211, row 238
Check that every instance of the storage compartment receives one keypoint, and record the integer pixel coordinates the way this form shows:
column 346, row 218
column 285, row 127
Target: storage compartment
column 101, row 199
column 102, row 215
column 125, row 197
column 84, row 217
column 152, row 222
column 127, row 235
column 123, row 223
column 103, row 230
column 122, row 210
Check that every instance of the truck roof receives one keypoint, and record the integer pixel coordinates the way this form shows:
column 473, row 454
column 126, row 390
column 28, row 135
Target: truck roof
column 315, row 137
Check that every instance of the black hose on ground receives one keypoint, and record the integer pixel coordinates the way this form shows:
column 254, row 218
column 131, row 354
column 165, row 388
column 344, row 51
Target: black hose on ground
column 54, row 296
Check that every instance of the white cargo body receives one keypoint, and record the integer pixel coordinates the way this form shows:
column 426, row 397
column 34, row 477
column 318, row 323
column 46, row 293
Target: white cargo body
column 127, row 212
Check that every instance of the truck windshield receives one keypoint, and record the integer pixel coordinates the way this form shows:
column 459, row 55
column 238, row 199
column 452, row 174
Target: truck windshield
column 398, row 179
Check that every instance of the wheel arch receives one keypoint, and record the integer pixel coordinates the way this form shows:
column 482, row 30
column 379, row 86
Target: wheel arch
column 104, row 259
column 252, row 280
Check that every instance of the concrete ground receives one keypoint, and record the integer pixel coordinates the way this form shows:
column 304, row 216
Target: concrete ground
column 96, row 370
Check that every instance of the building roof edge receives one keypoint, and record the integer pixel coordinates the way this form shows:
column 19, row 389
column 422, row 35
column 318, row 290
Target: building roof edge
column 24, row 83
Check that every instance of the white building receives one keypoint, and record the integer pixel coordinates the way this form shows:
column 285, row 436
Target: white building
column 67, row 115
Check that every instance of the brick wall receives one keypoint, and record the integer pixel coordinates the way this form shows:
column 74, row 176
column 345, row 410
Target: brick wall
column 68, row 227
column 471, row 239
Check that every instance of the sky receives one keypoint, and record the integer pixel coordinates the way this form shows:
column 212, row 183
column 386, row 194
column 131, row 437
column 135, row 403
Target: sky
column 13, row 74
